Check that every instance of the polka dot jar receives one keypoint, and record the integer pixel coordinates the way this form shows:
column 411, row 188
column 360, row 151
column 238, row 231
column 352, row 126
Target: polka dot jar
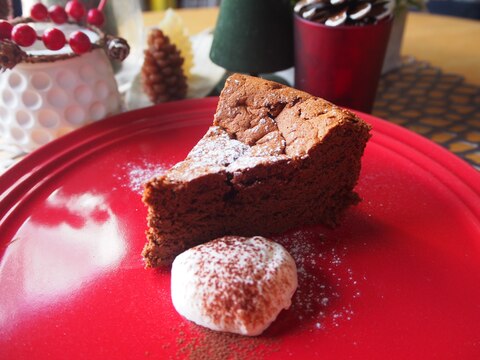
column 42, row 101
column 50, row 93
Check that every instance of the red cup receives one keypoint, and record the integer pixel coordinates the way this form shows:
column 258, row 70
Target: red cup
column 340, row 64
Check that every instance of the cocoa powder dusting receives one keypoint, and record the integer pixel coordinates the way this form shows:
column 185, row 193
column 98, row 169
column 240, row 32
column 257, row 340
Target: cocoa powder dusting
column 205, row 344
column 248, row 281
column 325, row 281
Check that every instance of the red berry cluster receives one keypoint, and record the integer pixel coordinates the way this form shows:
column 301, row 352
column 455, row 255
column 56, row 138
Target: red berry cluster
column 73, row 8
column 53, row 38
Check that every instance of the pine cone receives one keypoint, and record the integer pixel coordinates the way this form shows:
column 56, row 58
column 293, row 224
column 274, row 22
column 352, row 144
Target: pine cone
column 163, row 78
column 344, row 12
column 10, row 55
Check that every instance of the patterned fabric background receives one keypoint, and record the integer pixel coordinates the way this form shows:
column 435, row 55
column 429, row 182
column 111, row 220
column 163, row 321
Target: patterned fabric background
column 439, row 106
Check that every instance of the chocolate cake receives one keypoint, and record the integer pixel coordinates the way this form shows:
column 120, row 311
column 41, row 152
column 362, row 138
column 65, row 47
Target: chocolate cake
column 275, row 158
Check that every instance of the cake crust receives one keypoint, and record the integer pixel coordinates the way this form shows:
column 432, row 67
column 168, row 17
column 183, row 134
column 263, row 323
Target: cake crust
column 275, row 158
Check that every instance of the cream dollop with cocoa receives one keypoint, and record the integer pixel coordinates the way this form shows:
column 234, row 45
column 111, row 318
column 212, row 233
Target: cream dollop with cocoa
column 234, row 284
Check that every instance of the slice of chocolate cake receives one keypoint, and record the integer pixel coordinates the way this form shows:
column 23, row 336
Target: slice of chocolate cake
column 275, row 158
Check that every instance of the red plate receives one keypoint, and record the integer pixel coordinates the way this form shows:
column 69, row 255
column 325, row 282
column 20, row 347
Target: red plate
column 398, row 280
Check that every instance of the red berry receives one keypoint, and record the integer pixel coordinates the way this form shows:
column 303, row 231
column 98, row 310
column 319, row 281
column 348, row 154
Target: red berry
column 75, row 9
column 95, row 17
column 24, row 35
column 58, row 14
column 54, row 39
column 5, row 30
column 39, row 12
column 79, row 42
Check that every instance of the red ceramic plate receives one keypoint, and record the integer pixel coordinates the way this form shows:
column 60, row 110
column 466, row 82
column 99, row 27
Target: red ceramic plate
column 399, row 279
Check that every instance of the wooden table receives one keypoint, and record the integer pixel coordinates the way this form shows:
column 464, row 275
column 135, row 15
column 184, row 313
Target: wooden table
column 453, row 44
column 447, row 42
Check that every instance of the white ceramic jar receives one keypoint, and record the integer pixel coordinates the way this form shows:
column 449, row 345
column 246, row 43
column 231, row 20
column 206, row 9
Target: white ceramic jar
column 47, row 97
column 42, row 101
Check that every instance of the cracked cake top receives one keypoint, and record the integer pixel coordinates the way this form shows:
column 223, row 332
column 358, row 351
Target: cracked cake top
column 259, row 121
column 262, row 113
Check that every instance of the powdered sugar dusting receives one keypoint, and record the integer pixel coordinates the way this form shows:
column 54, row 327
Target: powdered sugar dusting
column 216, row 152
column 134, row 175
column 246, row 162
column 216, row 148
column 327, row 286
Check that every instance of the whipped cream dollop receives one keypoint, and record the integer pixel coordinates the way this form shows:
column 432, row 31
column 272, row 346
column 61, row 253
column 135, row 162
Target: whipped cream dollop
column 234, row 284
